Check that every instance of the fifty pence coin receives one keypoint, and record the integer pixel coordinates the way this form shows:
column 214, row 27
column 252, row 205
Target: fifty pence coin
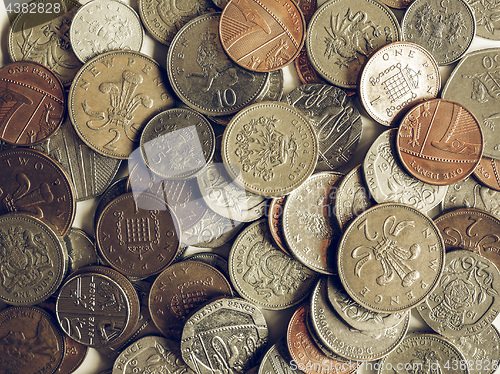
column 445, row 29
column 81, row 249
column 466, row 300
column 343, row 33
column 390, row 258
column 488, row 172
column 395, row 78
column 269, row 149
column 112, row 98
column 105, row 25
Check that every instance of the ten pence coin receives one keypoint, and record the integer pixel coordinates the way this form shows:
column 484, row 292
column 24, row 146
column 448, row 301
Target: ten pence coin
column 390, row 258
column 112, row 98
column 488, row 172
column 439, row 142
column 269, row 149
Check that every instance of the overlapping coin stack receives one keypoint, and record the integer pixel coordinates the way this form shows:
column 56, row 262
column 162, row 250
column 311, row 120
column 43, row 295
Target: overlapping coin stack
column 243, row 223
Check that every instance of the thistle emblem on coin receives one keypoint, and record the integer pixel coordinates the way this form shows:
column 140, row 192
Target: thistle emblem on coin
column 391, row 256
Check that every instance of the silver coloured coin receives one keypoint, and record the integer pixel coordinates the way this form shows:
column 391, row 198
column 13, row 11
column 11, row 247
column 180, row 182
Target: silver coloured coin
column 274, row 88
column 105, row 25
column 277, row 360
column 387, row 181
column 486, row 13
column 221, row 3
column 445, row 28
column 81, row 249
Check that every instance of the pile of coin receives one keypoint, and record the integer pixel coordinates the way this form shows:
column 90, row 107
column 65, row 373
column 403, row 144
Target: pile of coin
column 239, row 198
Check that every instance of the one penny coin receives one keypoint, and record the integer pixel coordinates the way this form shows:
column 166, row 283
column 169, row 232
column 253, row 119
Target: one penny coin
column 32, row 103
column 262, row 35
column 488, row 172
column 440, row 142
column 74, row 354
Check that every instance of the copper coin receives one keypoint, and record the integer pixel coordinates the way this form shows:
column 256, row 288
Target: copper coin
column 308, row 7
column 275, row 220
column 33, row 183
column 74, row 354
column 181, row 288
column 32, row 103
column 30, row 342
column 440, row 142
column 305, row 71
column 488, row 172
column 262, row 35
column 305, row 353
column 138, row 235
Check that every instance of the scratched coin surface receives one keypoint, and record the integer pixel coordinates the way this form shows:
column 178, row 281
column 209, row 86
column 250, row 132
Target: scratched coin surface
column 343, row 33
column 112, row 98
column 475, row 83
column 445, row 29
column 226, row 322
column 395, row 78
column 387, row 181
column 43, row 37
column 439, row 142
column 335, row 118
column 262, row 35
column 32, row 103
column 105, row 25
column 488, row 172
column 202, row 75
column 466, row 300
column 269, row 149
column 138, row 235
column 263, row 274
column 179, row 290
column 177, row 143
column 33, row 183
column 345, row 341
column 390, row 258
column 31, row 342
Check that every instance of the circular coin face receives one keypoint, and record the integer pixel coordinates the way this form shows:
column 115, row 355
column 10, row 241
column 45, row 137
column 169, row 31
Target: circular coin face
column 395, row 78
column 390, row 258
column 488, row 172
column 439, row 142
column 262, row 35
column 269, row 149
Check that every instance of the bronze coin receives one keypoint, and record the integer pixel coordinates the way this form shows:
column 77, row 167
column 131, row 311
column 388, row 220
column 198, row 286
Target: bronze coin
column 305, row 71
column 275, row 220
column 262, row 35
column 33, row 183
column 488, row 172
column 30, row 342
column 440, row 142
column 32, row 103
column 74, row 354
column 181, row 288
column 138, row 235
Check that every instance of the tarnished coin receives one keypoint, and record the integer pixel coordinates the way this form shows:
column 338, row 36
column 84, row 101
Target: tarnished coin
column 112, row 98
column 398, row 4
column 32, row 103
column 112, row 192
column 81, row 249
column 275, row 220
column 345, row 341
column 33, row 183
column 390, row 258
column 387, row 181
column 335, row 118
column 343, row 33
column 74, row 355
column 105, row 25
column 138, row 235
column 439, row 142
column 488, row 172
column 33, row 259
column 474, row 83
column 261, row 35
column 395, row 78
column 31, row 343
column 354, row 314
column 212, row 259
column 352, row 197
column 43, row 37
column 226, row 198
column 262, row 273
column 486, row 15
column 151, row 354
column 421, row 351
column 306, row 355
column 445, row 29
column 90, row 172
column 309, row 225
column 220, row 324
column 466, row 300
column 269, row 149
column 277, row 360
column 180, row 289
column 202, row 75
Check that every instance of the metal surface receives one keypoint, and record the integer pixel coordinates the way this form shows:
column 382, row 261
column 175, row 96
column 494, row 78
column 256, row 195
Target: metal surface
column 488, row 172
